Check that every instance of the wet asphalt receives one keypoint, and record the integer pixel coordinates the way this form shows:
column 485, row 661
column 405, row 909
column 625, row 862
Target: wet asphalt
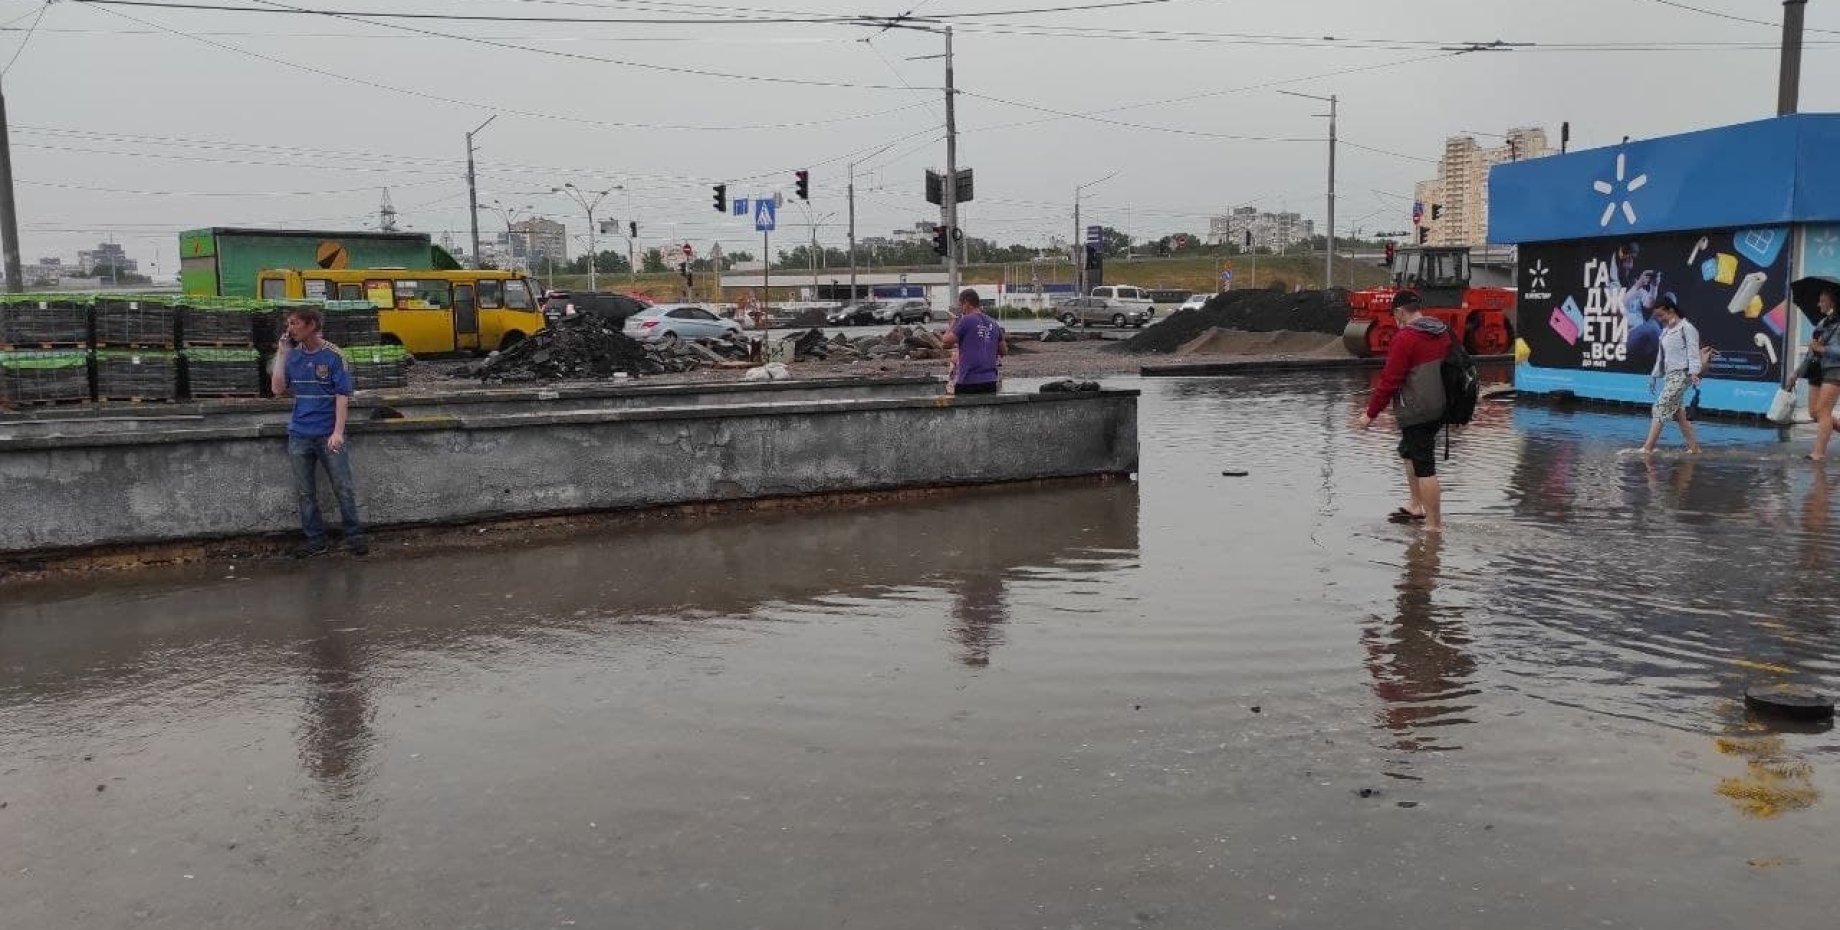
column 1187, row 701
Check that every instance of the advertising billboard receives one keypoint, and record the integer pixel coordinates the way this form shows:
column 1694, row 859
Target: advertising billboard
column 1586, row 312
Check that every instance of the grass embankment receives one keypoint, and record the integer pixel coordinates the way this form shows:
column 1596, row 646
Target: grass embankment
column 1194, row 274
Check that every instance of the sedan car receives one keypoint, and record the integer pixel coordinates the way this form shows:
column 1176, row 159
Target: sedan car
column 668, row 323
column 856, row 314
column 1196, row 301
column 1087, row 311
column 614, row 308
column 907, row 311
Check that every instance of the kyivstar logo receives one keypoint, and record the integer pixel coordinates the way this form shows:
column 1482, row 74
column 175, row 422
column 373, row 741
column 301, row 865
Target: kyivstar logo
column 1619, row 191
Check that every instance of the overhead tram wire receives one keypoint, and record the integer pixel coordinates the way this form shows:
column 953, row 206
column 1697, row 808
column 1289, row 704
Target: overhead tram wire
column 472, row 104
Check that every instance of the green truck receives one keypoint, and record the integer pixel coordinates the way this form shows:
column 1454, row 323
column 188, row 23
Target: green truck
column 222, row 261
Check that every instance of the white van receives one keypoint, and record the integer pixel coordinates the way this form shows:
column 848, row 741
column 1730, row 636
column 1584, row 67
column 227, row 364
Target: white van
column 1128, row 295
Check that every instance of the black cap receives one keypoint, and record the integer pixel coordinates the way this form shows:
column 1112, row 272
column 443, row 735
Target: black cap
column 1405, row 299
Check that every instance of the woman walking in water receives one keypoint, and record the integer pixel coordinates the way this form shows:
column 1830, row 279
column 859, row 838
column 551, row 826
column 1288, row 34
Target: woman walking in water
column 1676, row 366
column 1823, row 373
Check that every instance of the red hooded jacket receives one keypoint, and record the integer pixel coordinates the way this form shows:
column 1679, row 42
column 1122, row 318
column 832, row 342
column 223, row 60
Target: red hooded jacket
column 1412, row 374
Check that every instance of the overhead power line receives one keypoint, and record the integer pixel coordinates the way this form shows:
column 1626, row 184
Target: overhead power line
column 869, row 19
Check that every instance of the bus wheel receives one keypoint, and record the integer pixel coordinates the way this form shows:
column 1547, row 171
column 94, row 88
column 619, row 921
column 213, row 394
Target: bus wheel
column 511, row 338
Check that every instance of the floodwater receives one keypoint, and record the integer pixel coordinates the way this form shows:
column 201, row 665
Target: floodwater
column 1193, row 701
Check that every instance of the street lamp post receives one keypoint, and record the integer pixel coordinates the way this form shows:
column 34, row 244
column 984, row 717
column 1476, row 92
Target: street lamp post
column 1329, row 244
column 472, row 189
column 587, row 206
column 1079, row 243
column 507, row 214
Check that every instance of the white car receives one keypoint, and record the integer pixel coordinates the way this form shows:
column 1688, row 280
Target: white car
column 668, row 323
column 1195, row 302
column 1134, row 297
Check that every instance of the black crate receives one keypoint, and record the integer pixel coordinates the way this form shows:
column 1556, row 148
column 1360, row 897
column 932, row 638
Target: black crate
column 376, row 367
column 217, row 326
column 222, row 373
column 40, row 377
column 128, row 374
column 47, row 322
column 347, row 323
column 135, row 322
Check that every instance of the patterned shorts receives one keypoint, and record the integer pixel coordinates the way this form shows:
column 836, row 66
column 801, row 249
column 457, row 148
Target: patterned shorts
column 1672, row 391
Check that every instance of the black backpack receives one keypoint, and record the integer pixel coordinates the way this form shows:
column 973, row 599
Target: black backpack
column 1462, row 387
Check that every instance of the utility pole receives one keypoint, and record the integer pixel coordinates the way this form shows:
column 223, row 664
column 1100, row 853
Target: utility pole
column 9, row 216
column 852, row 298
column 1329, row 250
column 951, row 186
column 1789, row 86
column 472, row 188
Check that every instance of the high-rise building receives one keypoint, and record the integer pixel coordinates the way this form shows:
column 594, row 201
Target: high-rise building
column 1273, row 231
column 535, row 242
column 1459, row 195
column 106, row 260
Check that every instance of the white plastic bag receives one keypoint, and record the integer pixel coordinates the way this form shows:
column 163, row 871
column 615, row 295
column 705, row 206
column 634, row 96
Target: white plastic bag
column 1782, row 408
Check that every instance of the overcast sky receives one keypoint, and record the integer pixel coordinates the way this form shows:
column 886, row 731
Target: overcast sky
column 135, row 122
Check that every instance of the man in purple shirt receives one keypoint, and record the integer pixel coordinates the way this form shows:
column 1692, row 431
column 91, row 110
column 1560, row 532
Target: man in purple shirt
column 977, row 343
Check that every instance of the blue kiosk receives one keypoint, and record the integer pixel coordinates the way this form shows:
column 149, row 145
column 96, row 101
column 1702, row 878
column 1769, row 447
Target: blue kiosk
column 1724, row 219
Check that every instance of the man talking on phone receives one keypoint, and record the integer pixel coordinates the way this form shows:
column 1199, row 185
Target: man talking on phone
column 314, row 372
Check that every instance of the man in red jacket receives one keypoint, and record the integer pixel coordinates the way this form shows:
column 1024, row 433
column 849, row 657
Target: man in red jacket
column 1413, row 383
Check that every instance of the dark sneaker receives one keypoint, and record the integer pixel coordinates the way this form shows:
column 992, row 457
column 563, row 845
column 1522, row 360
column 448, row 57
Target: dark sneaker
column 312, row 550
column 359, row 547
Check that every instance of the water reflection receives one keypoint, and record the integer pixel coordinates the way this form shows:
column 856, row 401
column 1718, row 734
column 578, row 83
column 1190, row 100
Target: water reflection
column 978, row 615
column 335, row 732
column 1419, row 659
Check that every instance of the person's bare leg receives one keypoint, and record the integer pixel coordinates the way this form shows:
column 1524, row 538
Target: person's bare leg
column 1431, row 494
column 1415, row 505
column 1821, row 404
column 1654, row 436
column 1686, row 430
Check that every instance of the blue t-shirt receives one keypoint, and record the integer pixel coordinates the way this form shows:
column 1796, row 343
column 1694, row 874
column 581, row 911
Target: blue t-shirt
column 316, row 379
column 978, row 337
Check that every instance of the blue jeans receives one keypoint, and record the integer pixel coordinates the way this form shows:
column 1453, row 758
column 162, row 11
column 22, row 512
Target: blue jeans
column 307, row 454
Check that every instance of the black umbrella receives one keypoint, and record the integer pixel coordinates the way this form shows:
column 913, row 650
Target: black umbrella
column 1807, row 294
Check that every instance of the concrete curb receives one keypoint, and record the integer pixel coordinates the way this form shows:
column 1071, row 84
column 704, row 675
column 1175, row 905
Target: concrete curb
column 1283, row 364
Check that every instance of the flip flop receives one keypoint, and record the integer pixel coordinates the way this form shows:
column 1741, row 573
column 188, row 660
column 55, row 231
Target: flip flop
column 1402, row 515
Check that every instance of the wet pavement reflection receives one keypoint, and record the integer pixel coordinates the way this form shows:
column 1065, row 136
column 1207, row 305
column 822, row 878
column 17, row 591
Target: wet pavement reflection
column 1189, row 701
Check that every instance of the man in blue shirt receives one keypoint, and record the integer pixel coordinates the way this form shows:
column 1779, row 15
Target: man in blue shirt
column 314, row 372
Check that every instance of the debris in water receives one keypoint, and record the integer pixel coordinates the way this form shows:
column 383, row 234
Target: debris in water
column 1235, row 473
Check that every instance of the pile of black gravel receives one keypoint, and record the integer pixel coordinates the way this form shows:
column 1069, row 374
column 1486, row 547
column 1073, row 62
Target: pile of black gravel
column 1253, row 311
column 580, row 346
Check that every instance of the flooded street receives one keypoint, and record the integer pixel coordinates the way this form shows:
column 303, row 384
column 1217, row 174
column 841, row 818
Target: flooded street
column 1193, row 701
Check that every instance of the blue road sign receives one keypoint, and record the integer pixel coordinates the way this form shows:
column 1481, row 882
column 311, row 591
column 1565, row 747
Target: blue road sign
column 1095, row 235
column 765, row 214
column 740, row 206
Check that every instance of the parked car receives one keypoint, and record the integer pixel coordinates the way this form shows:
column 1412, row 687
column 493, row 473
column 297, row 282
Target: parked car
column 1196, row 301
column 857, row 314
column 614, row 308
column 668, row 323
column 1129, row 296
column 1086, row 311
column 907, row 311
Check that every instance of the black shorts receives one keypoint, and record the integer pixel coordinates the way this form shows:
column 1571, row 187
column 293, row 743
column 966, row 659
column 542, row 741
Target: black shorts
column 1418, row 445
column 988, row 387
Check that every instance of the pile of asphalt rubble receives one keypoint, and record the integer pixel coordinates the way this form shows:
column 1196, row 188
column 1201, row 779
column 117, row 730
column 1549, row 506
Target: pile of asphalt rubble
column 586, row 346
column 911, row 342
column 1251, row 311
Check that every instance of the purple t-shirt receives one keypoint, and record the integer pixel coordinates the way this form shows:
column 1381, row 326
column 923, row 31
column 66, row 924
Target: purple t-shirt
column 978, row 337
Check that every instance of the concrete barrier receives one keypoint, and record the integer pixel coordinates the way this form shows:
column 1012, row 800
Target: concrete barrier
column 144, row 487
column 464, row 401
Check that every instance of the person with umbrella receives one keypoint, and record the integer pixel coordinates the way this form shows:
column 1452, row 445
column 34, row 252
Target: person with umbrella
column 1822, row 369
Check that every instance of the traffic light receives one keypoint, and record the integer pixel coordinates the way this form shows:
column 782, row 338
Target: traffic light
column 802, row 186
column 941, row 235
column 721, row 198
column 1437, row 211
column 632, row 229
column 1424, row 235
column 1390, row 250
